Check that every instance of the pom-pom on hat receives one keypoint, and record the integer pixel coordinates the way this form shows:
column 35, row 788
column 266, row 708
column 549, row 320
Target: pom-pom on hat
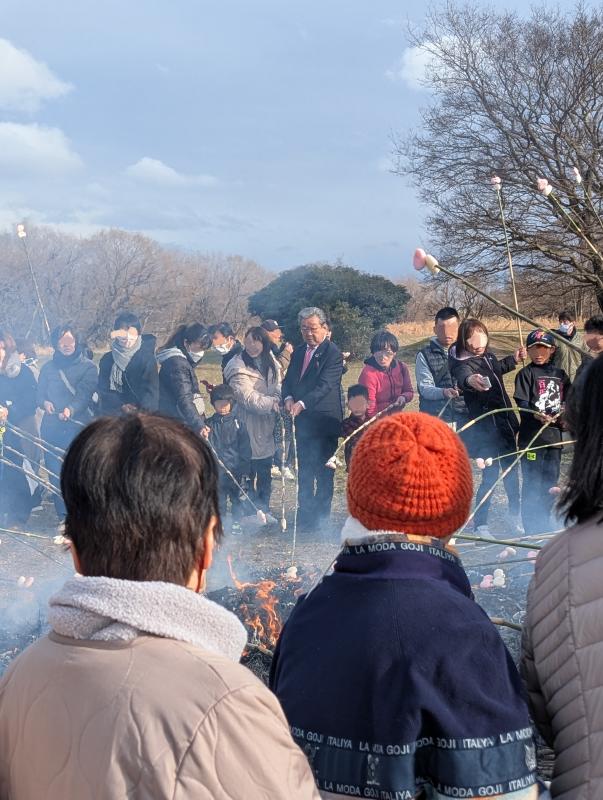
column 410, row 473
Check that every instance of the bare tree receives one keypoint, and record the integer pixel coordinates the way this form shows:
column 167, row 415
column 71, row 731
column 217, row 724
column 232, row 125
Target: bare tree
column 520, row 98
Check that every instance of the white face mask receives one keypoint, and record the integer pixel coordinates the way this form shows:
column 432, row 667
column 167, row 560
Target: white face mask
column 196, row 357
column 222, row 349
column 565, row 327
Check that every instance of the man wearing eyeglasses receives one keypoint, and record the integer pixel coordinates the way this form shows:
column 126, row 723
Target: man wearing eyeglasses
column 312, row 392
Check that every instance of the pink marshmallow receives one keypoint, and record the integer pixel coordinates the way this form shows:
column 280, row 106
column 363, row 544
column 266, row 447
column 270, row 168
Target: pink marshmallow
column 419, row 258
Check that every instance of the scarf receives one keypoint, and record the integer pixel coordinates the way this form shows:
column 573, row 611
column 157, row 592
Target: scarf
column 122, row 356
column 64, row 362
column 108, row 609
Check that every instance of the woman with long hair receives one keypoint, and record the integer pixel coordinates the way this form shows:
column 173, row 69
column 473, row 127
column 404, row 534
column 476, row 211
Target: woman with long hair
column 179, row 394
column 18, row 407
column 65, row 390
column 563, row 628
column 253, row 376
column 478, row 374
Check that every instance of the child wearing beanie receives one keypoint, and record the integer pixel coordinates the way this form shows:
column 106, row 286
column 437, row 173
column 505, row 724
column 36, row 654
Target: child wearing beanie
column 393, row 680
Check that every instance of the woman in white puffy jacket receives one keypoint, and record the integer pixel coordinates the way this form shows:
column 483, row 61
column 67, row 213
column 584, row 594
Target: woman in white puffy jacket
column 253, row 376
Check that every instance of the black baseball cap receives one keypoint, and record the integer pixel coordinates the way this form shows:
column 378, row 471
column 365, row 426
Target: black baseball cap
column 270, row 325
column 540, row 337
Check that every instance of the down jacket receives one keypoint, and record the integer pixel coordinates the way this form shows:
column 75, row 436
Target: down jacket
column 562, row 662
column 385, row 385
column 255, row 396
column 179, row 388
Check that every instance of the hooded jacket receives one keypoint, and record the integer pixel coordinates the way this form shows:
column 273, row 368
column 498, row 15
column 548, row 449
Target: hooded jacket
column 229, row 438
column 497, row 426
column 385, row 385
column 140, row 380
column 394, row 679
column 562, row 660
column 178, row 387
column 137, row 693
column 255, row 395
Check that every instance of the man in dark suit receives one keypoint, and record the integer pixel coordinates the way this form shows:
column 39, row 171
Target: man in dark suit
column 312, row 392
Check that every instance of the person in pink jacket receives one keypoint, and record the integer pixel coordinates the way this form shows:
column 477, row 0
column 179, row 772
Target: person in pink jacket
column 386, row 378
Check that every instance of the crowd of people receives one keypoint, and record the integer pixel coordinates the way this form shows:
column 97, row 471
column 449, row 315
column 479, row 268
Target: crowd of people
column 388, row 680
column 279, row 406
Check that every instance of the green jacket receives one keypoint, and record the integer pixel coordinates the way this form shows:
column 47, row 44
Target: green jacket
column 568, row 359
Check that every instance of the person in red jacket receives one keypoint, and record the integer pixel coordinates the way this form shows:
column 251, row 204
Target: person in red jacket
column 386, row 378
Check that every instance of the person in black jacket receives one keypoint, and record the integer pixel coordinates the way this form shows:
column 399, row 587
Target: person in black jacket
column 179, row 394
column 543, row 387
column 229, row 438
column 17, row 406
column 223, row 341
column 479, row 375
column 312, row 392
column 66, row 387
column 128, row 379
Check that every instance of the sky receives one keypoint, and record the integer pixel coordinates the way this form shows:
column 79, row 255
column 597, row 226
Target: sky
column 260, row 128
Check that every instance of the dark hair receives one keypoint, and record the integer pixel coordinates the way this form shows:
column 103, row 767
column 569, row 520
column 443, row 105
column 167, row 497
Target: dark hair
column 447, row 313
column 60, row 331
column 594, row 324
column 126, row 320
column 10, row 344
column 140, row 491
column 221, row 392
column 266, row 359
column 358, row 390
column 466, row 330
column 383, row 339
column 222, row 327
column 583, row 496
column 566, row 315
column 195, row 332
column 24, row 345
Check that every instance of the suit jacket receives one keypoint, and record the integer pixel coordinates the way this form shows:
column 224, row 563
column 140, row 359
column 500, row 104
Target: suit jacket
column 319, row 388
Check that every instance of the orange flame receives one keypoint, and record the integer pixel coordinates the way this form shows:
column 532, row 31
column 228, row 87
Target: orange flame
column 263, row 632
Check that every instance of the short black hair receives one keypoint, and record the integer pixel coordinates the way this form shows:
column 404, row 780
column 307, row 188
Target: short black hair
column 383, row 339
column 358, row 390
column 448, row 312
column 583, row 495
column 566, row 316
column 221, row 392
column 594, row 324
column 222, row 327
column 126, row 320
column 140, row 491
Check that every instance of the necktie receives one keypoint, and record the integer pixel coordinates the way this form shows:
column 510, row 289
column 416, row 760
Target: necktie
column 307, row 359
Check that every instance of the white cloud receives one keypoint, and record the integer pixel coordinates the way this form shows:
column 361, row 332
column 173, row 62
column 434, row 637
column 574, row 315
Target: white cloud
column 412, row 68
column 24, row 82
column 152, row 170
column 35, row 149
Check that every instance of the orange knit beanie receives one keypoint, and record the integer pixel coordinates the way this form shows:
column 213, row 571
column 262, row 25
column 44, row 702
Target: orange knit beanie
column 410, row 473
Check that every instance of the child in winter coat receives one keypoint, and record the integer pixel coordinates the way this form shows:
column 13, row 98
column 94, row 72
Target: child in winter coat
column 229, row 438
column 479, row 376
column 392, row 678
column 386, row 378
column 358, row 399
column 540, row 386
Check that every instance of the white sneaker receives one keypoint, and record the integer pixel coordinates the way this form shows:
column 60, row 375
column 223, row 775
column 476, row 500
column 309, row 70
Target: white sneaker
column 275, row 471
column 484, row 532
column 289, row 474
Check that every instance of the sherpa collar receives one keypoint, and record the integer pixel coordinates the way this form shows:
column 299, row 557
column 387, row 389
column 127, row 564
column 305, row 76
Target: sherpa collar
column 106, row 609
